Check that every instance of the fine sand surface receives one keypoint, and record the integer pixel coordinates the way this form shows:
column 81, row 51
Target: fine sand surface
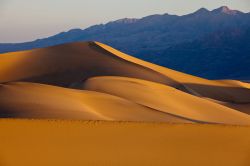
column 64, row 143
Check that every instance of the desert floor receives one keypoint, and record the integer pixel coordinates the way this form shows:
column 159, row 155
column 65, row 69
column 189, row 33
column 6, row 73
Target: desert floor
column 56, row 142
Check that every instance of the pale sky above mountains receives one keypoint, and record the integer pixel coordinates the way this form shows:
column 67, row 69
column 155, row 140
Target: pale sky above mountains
column 27, row 20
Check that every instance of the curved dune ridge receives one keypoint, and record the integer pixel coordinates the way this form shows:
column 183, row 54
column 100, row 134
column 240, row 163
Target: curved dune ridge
column 92, row 81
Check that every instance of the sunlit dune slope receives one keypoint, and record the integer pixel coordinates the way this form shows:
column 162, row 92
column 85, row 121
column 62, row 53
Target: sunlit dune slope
column 69, row 65
column 64, row 143
column 230, row 91
column 30, row 100
column 166, row 99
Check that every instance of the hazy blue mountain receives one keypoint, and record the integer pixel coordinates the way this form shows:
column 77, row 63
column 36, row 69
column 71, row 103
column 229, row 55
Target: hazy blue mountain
column 223, row 54
column 212, row 44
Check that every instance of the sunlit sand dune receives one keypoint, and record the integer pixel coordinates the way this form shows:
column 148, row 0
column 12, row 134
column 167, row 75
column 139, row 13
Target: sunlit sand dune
column 64, row 143
column 134, row 91
column 219, row 90
column 166, row 99
column 69, row 65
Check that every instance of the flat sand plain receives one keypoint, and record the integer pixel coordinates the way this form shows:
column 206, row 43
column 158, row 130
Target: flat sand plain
column 55, row 142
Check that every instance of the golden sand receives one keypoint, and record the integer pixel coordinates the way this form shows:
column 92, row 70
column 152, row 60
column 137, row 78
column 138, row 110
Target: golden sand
column 64, row 143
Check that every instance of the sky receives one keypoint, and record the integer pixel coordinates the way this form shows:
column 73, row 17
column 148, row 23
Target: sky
column 27, row 20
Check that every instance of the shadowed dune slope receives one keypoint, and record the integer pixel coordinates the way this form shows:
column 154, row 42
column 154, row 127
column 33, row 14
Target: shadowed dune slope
column 166, row 99
column 245, row 108
column 230, row 91
column 240, row 107
column 65, row 143
column 30, row 100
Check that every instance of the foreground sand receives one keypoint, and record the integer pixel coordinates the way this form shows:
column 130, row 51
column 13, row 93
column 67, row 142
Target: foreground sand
column 64, row 143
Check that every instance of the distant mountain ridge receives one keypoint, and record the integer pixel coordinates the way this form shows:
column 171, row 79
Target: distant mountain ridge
column 201, row 43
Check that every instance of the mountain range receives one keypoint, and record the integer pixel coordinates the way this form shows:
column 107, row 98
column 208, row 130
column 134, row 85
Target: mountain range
column 212, row 44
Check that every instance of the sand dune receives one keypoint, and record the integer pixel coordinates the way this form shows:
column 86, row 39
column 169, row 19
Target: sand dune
column 30, row 100
column 134, row 91
column 64, row 143
column 69, row 65
column 166, row 99
column 219, row 90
